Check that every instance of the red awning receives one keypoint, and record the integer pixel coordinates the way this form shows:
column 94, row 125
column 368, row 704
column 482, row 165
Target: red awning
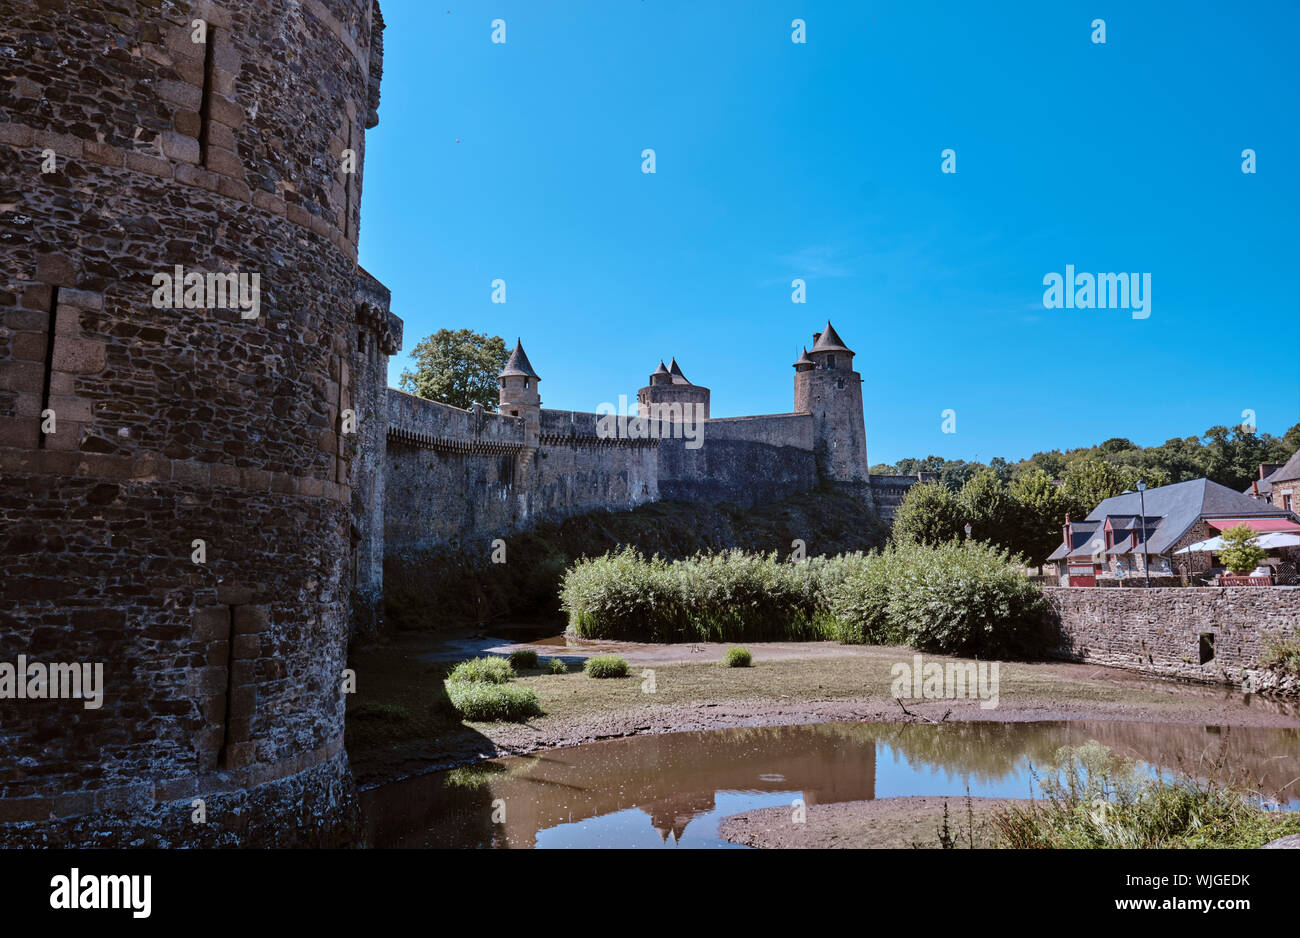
column 1255, row 524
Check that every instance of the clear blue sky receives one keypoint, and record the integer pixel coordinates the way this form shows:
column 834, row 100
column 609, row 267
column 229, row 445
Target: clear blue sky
column 774, row 160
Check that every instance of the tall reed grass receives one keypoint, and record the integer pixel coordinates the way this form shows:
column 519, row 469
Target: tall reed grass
column 963, row 598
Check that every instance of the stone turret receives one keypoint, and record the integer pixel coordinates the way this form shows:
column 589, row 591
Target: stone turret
column 519, row 395
column 826, row 386
column 671, row 395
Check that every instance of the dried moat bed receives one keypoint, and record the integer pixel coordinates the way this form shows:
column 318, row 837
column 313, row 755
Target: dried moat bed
column 399, row 723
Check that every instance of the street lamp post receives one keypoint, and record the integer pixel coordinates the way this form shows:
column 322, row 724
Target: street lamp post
column 1146, row 558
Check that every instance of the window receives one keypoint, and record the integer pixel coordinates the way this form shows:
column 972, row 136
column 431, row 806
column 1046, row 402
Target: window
column 830, row 361
column 1286, row 502
column 525, row 384
column 1207, row 647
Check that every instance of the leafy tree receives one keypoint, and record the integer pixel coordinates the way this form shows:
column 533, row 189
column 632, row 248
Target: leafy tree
column 1183, row 459
column 1117, row 444
column 458, row 367
column 1039, row 514
column 1053, row 463
column 1089, row 483
column 930, row 513
column 1240, row 553
column 1288, row 444
column 1002, row 468
column 955, row 473
column 988, row 508
column 1235, row 455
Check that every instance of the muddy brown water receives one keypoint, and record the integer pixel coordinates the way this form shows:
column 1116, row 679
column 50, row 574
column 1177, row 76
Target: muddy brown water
column 673, row 789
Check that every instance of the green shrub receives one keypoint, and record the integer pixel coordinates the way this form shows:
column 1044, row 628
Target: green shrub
column 1283, row 654
column 726, row 596
column 964, row 598
column 960, row 597
column 557, row 666
column 523, row 659
column 484, row 702
column 855, row 591
column 1240, row 553
column 605, row 666
column 737, row 658
column 1094, row 800
column 489, row 670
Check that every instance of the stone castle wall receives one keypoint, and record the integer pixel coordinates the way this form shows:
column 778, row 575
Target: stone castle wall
column 745, row 461
column 1160, row 631
column 457, row 476
column 222, row 678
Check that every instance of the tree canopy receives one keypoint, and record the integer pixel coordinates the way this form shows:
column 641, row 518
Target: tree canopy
column 1230, row 456
column 458, row 367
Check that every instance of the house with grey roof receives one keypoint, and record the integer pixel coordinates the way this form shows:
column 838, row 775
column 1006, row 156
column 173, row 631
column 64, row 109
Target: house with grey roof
column 1279, row 485
column 1118, row 541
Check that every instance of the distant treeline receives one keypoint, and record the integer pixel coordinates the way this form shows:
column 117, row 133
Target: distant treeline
column 1022, row 506
column 1230, row 456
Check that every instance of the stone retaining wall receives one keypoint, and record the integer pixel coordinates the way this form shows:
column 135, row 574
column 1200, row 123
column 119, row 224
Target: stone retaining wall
column 1211, row 634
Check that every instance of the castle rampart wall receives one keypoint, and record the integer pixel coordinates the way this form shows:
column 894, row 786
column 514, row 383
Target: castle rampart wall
column 745, row 461
column 465, row 478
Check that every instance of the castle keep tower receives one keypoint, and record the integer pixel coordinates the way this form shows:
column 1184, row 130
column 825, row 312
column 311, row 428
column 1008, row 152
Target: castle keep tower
column 669, row 387
column 519, row 395
column 177, row 468
column 826, row 386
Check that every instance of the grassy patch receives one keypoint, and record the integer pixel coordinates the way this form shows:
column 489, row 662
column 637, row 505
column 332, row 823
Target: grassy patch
column 605, row 666
column 483, row 702
column 557, row 666
column 483, row 670
column 737, row 658
column 523, row 659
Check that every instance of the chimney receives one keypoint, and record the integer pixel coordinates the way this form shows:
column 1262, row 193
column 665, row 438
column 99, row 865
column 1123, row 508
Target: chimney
column 816, row 336
column 1254, row 486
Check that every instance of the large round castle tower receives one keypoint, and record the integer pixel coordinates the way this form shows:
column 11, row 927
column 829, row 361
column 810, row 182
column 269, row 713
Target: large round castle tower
column 178, row 339
column 826, row 386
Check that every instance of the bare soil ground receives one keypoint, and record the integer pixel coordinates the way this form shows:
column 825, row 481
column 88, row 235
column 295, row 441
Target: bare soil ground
column 885, row 823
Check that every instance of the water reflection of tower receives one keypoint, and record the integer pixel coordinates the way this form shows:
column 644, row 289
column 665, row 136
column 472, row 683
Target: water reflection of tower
column 840, row 766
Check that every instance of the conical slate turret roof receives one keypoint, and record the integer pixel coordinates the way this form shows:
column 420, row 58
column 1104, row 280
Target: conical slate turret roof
column 804, row 359
column 662, row 369
column 676, row 371
column 519, row 364
column 829, row 341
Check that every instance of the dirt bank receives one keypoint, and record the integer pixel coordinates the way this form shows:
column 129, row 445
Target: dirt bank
column 889, row 823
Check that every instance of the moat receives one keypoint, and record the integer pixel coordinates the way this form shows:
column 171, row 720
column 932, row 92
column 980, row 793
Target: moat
column 674, row 789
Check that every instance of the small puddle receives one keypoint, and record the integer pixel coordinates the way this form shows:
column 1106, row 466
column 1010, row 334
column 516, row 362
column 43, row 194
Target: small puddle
column 673, row 789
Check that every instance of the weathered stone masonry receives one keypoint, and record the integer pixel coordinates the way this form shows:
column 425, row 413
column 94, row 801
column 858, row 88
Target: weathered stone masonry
column 1214, row 634
column 223, row 678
